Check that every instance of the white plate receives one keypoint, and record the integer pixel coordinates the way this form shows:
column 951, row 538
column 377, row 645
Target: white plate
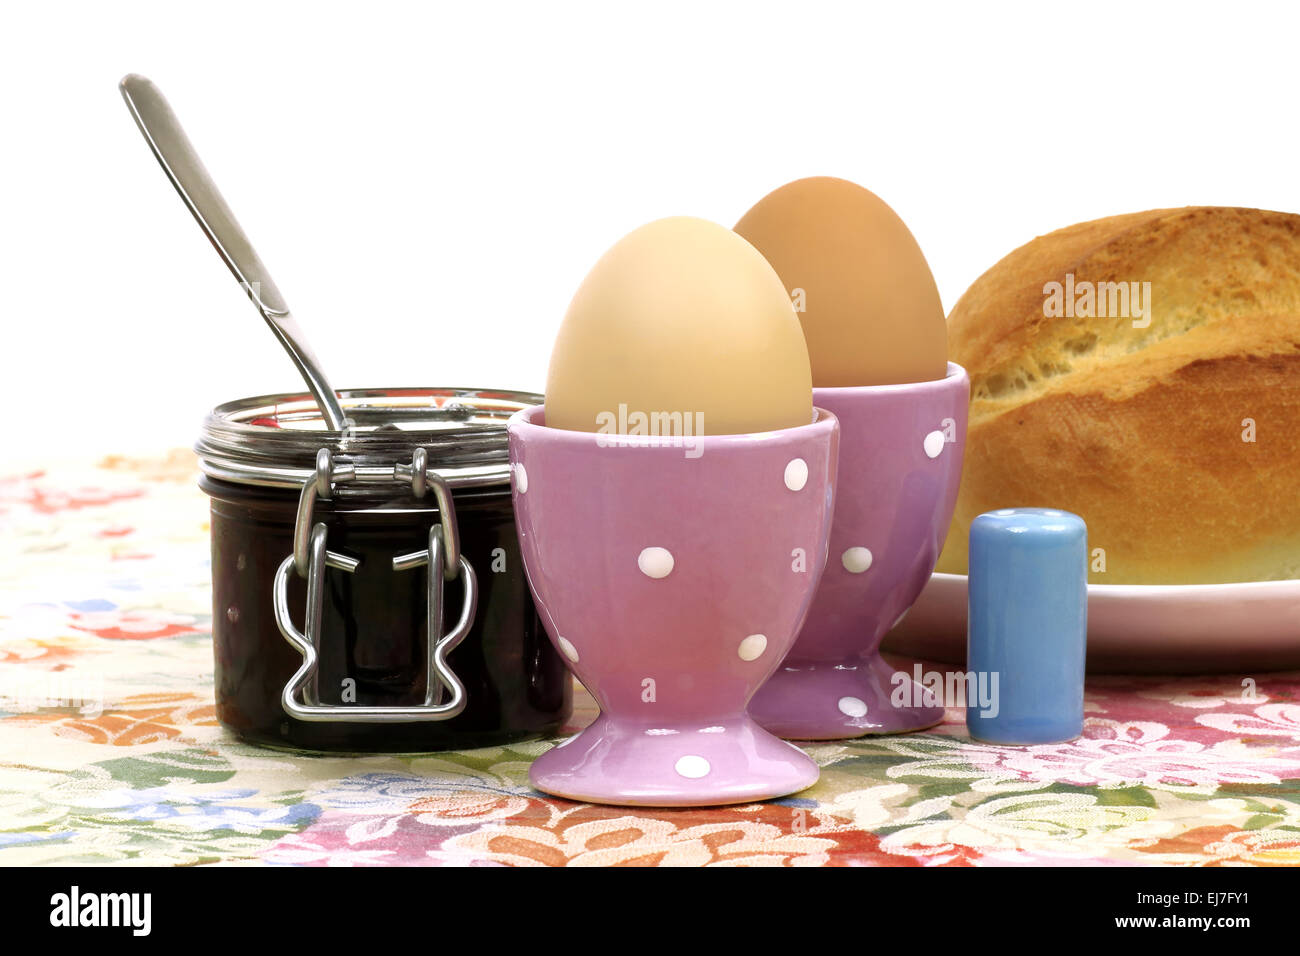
column 1172, row 629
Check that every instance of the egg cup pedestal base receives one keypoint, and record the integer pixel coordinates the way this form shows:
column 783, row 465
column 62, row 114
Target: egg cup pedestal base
column 629, row 764
column 835, row 701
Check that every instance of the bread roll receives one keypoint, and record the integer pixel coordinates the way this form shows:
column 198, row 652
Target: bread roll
column 1172, row 425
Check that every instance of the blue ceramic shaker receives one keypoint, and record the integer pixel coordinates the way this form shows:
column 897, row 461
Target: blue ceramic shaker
column 1027, row 625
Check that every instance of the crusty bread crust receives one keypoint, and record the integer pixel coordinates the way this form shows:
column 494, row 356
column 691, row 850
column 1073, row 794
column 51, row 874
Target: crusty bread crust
column 1140, row 430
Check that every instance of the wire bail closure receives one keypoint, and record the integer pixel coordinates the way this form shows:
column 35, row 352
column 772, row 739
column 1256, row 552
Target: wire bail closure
column 311, row 556
column 421, row 477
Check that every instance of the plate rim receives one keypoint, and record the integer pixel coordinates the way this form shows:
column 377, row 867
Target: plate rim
column 1230, row 588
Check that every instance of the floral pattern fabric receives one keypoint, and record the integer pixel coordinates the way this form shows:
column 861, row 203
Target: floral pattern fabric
column 110, row 750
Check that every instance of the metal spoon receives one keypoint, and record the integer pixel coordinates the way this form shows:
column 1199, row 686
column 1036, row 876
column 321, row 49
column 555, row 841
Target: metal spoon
column 183, row 167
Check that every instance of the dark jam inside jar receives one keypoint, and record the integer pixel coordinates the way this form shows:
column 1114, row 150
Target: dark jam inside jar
column 374, row 644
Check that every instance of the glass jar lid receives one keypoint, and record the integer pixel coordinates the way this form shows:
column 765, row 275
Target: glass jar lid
column 273, row 440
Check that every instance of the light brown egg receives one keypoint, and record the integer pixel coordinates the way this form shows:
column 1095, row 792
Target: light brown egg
column 681, row 316
column 867, row 300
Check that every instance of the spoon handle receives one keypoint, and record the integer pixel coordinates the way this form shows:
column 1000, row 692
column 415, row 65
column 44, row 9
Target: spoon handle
column 183, row 167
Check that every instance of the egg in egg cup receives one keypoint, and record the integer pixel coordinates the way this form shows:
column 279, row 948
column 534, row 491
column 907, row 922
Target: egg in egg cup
column 673, row 585
column 900, row 465
column 874, row 323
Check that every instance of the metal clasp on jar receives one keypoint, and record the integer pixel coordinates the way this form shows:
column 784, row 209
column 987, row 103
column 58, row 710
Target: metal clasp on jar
column 311, row 556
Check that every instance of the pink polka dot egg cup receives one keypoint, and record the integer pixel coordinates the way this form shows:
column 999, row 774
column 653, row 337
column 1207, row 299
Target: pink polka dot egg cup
column 901, row 449
column 673, row 579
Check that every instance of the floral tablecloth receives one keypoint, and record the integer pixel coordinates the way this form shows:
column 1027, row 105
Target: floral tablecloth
column 110, row 751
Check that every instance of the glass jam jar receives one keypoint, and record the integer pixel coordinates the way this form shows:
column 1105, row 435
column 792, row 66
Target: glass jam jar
column 367, row 590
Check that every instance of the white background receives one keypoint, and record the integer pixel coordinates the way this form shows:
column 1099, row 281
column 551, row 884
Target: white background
column 429, row 184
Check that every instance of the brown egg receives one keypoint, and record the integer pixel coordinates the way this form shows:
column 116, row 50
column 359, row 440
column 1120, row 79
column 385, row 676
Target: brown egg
column 681, row 324
column 867, row 300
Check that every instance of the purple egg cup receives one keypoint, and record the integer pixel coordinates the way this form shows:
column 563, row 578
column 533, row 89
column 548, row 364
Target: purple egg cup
column 899, row 470
column 673, row 580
